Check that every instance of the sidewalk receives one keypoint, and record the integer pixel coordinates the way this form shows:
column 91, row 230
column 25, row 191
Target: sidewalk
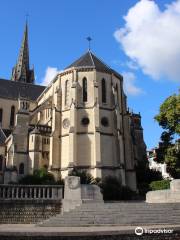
column 33, row 230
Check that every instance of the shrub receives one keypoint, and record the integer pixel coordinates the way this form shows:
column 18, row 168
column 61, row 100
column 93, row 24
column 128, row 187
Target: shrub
column 85, row 177
column 143, row 188
column 41, row 176
column 113, row 190
column 145, row 174
column 160, row 185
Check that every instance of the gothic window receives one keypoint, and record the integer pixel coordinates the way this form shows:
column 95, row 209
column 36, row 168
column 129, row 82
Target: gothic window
column 12, row 116
column 1, row 162
column 103, row 90
column 84, row 85
column 66, row 92
column 21, row 168
column 1, row 115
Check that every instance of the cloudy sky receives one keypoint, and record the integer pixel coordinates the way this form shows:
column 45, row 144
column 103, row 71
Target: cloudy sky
column 139, row 39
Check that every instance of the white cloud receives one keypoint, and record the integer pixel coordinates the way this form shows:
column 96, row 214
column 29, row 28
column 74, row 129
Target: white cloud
column 132, row 65
column 50, row 73
column 151, row 38
column 129, row 84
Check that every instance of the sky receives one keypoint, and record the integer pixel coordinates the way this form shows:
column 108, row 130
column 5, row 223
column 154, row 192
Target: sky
column 139, row 39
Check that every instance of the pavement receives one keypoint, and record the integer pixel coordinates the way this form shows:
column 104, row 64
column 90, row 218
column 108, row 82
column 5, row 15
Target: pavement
column 34, row 230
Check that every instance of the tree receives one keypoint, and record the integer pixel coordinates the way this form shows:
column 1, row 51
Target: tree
column 169, row 115
column 169, row 119
column 172, row 159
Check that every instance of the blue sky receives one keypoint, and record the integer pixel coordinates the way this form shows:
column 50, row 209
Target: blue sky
column 144, row 50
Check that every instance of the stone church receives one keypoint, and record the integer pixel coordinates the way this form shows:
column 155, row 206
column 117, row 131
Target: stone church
column 80, row 119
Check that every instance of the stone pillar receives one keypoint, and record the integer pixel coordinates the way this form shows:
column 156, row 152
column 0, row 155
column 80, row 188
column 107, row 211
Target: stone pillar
column 73, row 122
column 97, row 136
column 72, row 193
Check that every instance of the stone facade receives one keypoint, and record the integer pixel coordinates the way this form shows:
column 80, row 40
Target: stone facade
column 79, row 120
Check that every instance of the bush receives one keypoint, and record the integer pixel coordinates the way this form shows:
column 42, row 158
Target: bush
column 145, row 174
column 159, row 185
column 85, row 177
column 113, row 190
column 39, row 177
column 143, row 188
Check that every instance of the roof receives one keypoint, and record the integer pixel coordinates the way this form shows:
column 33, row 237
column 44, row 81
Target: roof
column 92, row 61
column 14, row 90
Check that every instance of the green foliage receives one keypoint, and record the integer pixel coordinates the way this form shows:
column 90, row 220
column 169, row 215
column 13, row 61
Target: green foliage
column 85, row 177
column 172, row 159
column 143, row 188
column 169, row 119
column 169, row 114
column 60, row 181
column 145, row 176
column 159, row 185
column 113, row 190
column 166, row 141
column 39, row 177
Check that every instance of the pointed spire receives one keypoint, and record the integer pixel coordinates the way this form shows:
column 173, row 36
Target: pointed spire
column 21, row 71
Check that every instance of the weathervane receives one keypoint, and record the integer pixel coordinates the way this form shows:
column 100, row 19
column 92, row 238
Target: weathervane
column 89, row 40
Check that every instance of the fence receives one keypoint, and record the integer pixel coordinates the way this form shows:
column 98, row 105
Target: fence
column 30, row 192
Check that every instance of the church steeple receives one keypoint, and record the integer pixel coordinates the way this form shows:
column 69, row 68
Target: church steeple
column 21, row 71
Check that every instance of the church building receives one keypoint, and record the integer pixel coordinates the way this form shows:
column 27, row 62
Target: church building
column 80, row 119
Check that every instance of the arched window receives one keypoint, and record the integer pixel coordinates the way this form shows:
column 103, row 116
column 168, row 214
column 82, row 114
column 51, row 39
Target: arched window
column 103, row 90
column 21, row 168
column 66, row 92
column 1, row 116
column 12, row 116
column 84, row 85
column 1, row 162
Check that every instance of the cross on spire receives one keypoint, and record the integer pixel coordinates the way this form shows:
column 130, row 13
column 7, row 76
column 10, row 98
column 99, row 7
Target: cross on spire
column 89, row 40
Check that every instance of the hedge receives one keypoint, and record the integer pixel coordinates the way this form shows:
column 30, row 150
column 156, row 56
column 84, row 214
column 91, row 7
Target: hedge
column 159, row 185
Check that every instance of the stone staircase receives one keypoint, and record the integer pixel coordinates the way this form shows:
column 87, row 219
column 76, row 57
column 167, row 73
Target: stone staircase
column 117, row 213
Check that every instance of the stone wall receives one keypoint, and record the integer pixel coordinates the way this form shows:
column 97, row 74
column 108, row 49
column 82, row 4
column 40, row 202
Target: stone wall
column 27, row 211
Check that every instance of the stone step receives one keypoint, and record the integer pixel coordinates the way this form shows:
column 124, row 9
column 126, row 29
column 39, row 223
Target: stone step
column 124, row 211
column 117, row 214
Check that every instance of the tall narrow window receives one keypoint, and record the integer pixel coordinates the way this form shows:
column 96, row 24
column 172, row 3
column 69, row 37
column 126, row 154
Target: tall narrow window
column 66, row 92
column 1, row 116
column 84, row 83
column 117, row 92
column 103, row 90
column 21, row 168
column 1, row 162
column 12, row 116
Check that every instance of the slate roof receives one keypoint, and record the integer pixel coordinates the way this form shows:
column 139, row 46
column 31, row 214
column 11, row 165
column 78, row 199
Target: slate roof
column 12, row 90
column 92, row 61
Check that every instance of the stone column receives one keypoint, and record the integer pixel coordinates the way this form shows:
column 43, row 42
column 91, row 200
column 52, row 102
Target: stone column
column 73, row 119
column 72, row 193
column 97, row 136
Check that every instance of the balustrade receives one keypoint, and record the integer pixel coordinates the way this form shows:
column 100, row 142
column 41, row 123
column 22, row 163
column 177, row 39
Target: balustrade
column 23, row 192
